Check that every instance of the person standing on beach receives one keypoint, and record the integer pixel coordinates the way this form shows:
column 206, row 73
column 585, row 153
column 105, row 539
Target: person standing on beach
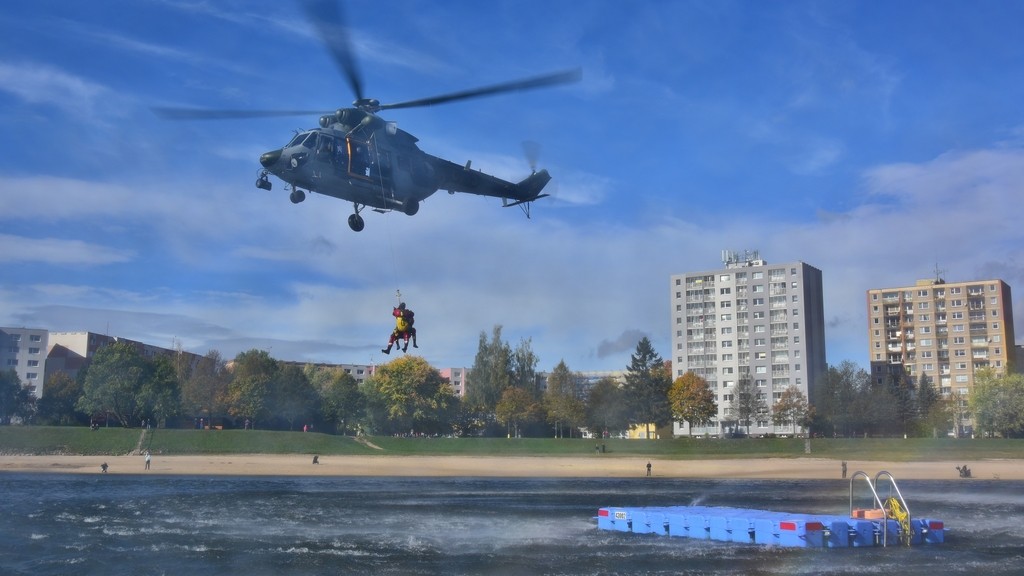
column 844, row 469
column 648, row 469
column 147, row 459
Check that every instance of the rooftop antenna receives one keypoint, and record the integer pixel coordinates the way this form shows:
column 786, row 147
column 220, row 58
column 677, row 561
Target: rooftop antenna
column 938, row 274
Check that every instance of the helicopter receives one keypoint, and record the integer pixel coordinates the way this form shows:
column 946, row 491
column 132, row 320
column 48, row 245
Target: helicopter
column 355, row 155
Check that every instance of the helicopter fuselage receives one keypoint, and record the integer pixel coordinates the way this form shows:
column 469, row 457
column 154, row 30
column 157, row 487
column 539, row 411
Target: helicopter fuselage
column 355, row 155
column 380, row 166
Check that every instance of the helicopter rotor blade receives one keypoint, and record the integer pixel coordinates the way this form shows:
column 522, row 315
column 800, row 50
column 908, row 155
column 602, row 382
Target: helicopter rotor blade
column 328, row 20
column 564, row 77
column 171, row 113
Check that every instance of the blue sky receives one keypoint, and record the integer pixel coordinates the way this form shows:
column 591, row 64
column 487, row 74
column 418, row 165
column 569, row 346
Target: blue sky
column 848, row 135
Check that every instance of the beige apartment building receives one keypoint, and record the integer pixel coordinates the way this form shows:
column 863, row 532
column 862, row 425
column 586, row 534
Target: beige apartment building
column 944, row 330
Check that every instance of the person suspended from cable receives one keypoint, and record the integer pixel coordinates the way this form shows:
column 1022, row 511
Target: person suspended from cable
column 404, row 330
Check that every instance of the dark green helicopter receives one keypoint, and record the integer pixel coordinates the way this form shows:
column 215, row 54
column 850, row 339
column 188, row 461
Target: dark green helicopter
column 358, row 156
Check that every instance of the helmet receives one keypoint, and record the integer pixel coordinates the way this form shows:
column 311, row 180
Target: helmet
column 401, row 305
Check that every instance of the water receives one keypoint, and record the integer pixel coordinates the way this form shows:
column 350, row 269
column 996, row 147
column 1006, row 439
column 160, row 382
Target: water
column 85, row 525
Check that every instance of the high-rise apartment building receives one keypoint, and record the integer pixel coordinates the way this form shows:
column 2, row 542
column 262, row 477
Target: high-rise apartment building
column 943, row 330
column 24, row 351
column 749, row 320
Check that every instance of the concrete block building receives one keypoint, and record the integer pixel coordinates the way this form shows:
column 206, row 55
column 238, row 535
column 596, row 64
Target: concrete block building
column 749, row 319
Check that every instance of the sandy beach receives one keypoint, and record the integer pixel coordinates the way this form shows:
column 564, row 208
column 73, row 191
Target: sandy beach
column 483, row 466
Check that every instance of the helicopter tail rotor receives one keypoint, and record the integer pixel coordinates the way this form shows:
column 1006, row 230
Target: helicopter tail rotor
column 532, row 151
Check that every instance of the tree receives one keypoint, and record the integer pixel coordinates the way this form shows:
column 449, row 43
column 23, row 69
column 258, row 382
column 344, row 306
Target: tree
column 250, row 387
column 904, row 393
column 205, row 387
column 292, row 397
column 57, row 406
column 692, row 400
column 160, row 394
column 524, row 368
column 114, row 383
column 407, row 394
column 491, row 372
column 562, row 400
column 342, row 402
column 791, row 408
column 877, row 408
column 516, row 408
column 15, row 400
column 839, row 389
column 998, row 403
column 606, row 411
column 932, row 411
column 647, row 384
column 748, row 403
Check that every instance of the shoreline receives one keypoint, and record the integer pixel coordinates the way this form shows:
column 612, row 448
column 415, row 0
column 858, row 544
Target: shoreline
column 506, row 466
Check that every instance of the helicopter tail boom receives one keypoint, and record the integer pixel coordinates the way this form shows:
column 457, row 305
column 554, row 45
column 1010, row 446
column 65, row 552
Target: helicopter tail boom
column 531, row 186
column 455, row 178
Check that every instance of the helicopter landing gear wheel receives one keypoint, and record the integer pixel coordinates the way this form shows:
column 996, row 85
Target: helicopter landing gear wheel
column 297, row 196
column 411, row 207
column 355, row 222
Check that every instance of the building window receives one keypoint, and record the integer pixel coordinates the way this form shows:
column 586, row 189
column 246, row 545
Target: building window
column 31, row 376
column 724, row 278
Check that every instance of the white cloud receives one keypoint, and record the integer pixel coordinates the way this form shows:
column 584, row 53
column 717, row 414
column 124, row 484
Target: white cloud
column 58, row 251
column 41, row 84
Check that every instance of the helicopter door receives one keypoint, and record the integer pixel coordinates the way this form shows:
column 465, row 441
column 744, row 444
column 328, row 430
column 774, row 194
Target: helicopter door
column 359, row 158
column 325, row 147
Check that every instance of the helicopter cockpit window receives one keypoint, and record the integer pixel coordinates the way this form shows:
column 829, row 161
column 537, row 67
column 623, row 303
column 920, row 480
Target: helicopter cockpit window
column 310, row 141
column 295, row 140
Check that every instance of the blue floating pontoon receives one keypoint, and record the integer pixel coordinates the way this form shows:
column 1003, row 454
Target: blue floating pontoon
column 889, row 523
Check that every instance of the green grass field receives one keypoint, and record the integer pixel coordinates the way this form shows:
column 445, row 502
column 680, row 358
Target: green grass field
column 115, row 441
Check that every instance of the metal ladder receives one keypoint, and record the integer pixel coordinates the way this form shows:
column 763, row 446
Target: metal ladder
column 897, row 507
